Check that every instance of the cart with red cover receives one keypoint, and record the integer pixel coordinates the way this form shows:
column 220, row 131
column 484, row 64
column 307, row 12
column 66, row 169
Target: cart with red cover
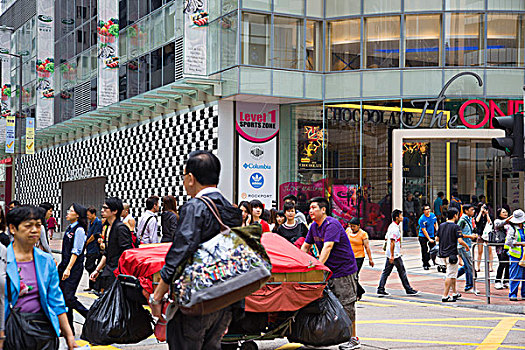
column 297, row 280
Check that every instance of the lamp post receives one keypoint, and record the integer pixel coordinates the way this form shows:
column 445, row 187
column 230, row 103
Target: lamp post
column 20, row 116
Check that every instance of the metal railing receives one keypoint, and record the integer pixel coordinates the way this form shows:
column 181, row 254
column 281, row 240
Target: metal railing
column 486, row 280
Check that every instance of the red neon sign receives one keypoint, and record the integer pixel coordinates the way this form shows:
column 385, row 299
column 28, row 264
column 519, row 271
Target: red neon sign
column 491, row 111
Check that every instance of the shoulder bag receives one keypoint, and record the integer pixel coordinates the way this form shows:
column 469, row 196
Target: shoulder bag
column 223, row 270
column 27, row 330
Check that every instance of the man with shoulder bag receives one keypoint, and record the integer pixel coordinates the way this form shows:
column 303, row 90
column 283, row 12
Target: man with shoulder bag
column 449, row 235
column 197, row 224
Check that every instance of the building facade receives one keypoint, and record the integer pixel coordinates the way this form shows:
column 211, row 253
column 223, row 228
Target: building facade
column 342, row 99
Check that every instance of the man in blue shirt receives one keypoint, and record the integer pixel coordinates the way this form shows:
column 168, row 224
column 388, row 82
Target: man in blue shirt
column 438, row 204
column 427, row 228
column 465, row 223
column 92, row 248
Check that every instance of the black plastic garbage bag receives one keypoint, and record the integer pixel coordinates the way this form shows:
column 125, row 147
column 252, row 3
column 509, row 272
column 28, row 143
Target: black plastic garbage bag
column 330, row 326
column 114, row 319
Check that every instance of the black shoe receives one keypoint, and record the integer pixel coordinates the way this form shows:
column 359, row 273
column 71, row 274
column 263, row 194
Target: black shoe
column 448, row 299
column 413, row 292
column 382, row 293
column 456, row 296
column 426, row 267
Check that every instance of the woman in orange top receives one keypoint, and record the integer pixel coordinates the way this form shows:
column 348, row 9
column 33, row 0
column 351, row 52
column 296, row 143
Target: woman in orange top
column 359, row 241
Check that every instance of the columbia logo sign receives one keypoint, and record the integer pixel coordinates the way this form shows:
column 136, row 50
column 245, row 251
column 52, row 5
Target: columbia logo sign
column 257, row 166
column 256, row 180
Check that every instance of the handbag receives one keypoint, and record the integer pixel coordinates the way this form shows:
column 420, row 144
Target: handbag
column 223, row 270
column 487, row 232
column 29, row 331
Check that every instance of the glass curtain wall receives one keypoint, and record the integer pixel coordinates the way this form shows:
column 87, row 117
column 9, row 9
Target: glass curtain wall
column 288, row 50
column 314, row 45
column 255, row 39
column 382, row 41
column 344, row 45
column 422, row 40
column 463, row 39
column 505, row 39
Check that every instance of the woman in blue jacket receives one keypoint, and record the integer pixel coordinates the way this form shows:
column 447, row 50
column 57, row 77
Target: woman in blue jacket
column 33, row 283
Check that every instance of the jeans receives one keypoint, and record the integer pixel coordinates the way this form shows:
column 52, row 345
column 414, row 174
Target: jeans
column 517, row 273
column 503, row 266
column 466, row 268
column 398, row 263
column 425, row 249
column 360, row 289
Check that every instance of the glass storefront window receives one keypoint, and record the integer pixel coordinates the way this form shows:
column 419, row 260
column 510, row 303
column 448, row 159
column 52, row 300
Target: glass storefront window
column 314, row 45
column 338, row 8
column 344, row 40
column 463, row 40
column 505, row 33
column 288, row 43
column 255, row 39
column 382, row 42
column 228, row 33
column 422, row 40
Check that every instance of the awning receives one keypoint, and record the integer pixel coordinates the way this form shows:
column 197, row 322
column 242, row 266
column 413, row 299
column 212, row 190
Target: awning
column 178, row 96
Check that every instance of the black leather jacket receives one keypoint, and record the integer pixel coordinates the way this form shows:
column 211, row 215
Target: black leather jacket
column 119, row 241
column 169, row 223
column 197, row 225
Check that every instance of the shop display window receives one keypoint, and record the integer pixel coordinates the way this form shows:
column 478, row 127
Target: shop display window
column 382, row 42
column 422, row 44
column 344, row 45
column 505, row 39
column 255, row 39
column 463, row 39
column 288, row 51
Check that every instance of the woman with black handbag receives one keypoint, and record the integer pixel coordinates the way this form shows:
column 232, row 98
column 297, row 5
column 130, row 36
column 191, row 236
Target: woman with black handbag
column 35, row 310
column 502, row 226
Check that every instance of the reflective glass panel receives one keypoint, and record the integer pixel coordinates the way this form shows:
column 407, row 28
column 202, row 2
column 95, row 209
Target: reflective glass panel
column 314, row 45
column 295, row 7
column 344, row 51
column 228, row 32
column 337, row 8
column 288, row 43
column 505, row 40
column 255, row 40
column 463, row 41
column 382, row 6
column 382, row 42
column 422, row 40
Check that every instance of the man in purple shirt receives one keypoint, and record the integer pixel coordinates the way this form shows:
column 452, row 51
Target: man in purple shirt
column 336, row 253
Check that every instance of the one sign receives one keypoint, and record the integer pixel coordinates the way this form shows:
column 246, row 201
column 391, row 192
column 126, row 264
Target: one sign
column 258, row 171
column 45, row 64
column 5, row 81
column 30, row 135
column 195, row 31
column 108, row 58
column 10, row 134
column 257, row 122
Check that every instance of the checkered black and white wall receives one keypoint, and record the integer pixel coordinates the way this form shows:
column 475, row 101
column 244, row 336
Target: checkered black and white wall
column 138, row 161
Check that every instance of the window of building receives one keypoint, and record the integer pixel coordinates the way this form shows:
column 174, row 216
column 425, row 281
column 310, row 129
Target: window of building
column 144, row 76
column 255, row 39
column 155, row 4
column 295, row 7
column 168, row 60
column 228, row 40
column 463, row 39
column 288, row 43
column 344, row 40
column 422, row 40
column 382, row 42
column 156, row 68
column 314, row 45
column 122, row 82
column 123, row 13
column 505, row 33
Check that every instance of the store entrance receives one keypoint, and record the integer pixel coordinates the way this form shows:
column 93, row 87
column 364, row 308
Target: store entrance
column 459, row 163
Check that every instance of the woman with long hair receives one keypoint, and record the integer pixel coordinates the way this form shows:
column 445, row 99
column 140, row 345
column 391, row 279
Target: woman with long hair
column 502, row 228
column 246, row 213
column 4, row 238
column 169, row 219
column 33, row 287
column 72, row 264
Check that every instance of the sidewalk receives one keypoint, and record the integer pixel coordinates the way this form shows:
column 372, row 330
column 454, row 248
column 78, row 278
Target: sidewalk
column 431, row 282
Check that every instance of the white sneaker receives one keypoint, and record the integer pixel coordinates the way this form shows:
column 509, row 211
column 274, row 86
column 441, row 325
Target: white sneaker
column 353, row 343
column 498, row 285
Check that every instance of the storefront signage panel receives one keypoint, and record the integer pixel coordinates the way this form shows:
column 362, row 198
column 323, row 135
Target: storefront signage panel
column 312, row 139
column 490, row 111
column 45, row 64
column 195, row 30
column 6, row 91
column 258, row 171
column 257, row 122
column 108, row 56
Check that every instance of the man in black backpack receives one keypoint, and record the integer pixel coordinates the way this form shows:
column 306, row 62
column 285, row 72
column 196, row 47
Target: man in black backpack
column 197, row 224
